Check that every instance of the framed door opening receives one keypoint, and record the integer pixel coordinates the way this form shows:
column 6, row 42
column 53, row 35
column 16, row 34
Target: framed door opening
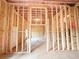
column 38, row 25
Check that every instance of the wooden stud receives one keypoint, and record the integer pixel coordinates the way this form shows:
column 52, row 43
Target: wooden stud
column 12, row 21
column 18, row 15
column 4, row 29
column 30, row 20
column 75, row 18
column 71, row 34
column 77, row 28
column 18, row 29
column 57, row 25
column 27, row 33
column 23, row 30
column 7, row 30
column 67, row 35
column 53, row 36
column 61, row 21
column 62, row 28
column 47, row 29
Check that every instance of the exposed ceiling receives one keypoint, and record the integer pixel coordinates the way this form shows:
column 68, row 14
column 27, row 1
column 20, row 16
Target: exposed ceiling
column 39, row 1
column 43, row 0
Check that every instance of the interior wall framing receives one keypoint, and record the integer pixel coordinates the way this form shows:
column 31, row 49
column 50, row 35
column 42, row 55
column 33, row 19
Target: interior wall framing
column 61, row 27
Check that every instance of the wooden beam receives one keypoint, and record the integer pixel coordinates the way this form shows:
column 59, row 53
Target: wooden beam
column 77, row 33
column 30, row 34
column 7, row 28
column 62, row 28
column 57, row 25
column 22, row 30
column 4, row 28
column 18, row 29
column 53, row 35
column 71, row 34
column 76, row 24
column 38, row 6
column 40, row 2
column 38, row 24
column 66, row 21
column 12, row 21
column 47, row 29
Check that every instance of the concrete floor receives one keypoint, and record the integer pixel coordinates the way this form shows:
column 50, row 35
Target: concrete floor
column 41, row 53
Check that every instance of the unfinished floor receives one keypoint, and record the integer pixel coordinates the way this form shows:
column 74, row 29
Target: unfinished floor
column 41, row 53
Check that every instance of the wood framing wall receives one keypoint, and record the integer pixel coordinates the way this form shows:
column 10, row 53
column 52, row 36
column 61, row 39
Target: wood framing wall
column 65, row 28
column 60, row 25
column 12, row 28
